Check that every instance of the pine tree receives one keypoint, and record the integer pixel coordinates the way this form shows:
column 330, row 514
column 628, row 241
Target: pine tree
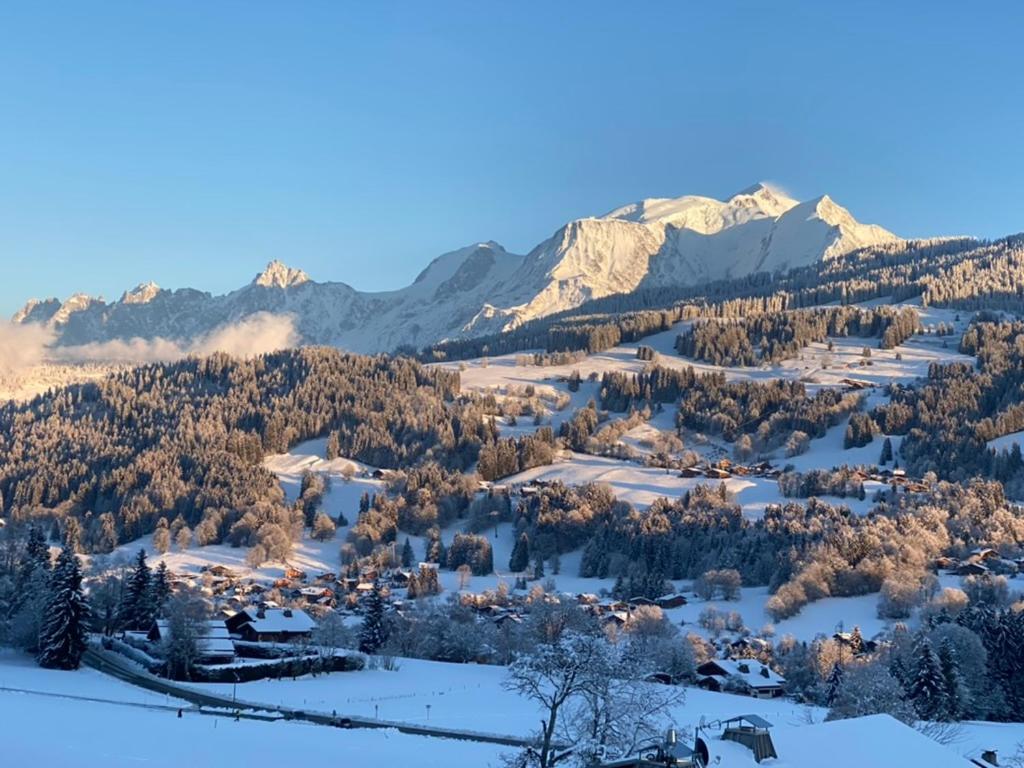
column 886, row 456
column 538, row 566
column 520, row 558
column 160, row 589
column 833, row 684
column 956, row 690
column 928, row 688
column 31, row 591
column 136, row 609
column 407, row 554
column 64, row 635
column 371, row 634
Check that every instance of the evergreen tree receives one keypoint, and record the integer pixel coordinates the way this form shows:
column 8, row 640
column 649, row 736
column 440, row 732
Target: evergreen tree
column 64, row 635
column 372, row 633
column 136, row 607
column 520, row 558
column 407, row 554
column 31, row 591
column 160, row 589
column 886, row 456
column 928, row 688
column 833, row 684
column 956, row 690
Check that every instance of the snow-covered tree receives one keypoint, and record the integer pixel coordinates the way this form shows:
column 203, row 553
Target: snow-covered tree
column 323, row 527
column 408, row 556
column 834, row 683
column 927, row 686
column 31, row 591
column 520, row 558
column 869, row 689
column 957, row 695
column 160, row 589
column 64, row 634
column 136, row 610
column 372, row 633
column 186, row 613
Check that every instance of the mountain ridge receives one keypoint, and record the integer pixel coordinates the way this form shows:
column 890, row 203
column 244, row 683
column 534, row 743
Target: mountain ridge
column 482, row 288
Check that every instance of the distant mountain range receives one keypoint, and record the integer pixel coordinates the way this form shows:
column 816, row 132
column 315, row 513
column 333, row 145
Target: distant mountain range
column 483, row 288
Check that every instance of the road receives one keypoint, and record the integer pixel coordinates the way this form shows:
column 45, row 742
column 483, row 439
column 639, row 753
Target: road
column 117, row 666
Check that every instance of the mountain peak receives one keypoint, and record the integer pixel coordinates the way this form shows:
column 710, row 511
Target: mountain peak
column 280, row 275
column 143, row 293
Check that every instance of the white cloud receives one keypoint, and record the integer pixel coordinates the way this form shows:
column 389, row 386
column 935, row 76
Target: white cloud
column 24, row 346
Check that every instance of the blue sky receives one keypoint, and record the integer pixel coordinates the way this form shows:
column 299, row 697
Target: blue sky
column 191, row 142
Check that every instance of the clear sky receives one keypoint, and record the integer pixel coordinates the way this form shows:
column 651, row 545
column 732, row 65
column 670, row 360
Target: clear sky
column 191, row 142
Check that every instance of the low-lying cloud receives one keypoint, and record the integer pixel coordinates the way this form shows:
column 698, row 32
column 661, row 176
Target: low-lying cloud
column 22, row 347
column 25, row 346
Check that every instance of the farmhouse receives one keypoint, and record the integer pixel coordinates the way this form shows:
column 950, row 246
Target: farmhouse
column 745, row 674
column 271, row 625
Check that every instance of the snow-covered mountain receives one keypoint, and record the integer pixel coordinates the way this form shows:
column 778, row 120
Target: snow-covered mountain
column 483, row 288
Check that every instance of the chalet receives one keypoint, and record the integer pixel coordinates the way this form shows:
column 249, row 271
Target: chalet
column 690, row 472
column 220, row 570
column 757, row 678
column 981, row 554
column 214, row 642
column 971, row 568
column 846, row 640
column 667, row 602
column 716, row 473
column 640, row 600
column 401, row 578
column 747, row 646
column 312, row 594
column 618, row 618
column 294, row 574
column 271, row 625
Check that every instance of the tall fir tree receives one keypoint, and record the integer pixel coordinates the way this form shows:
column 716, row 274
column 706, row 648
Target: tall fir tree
column 834, row 684
column 64, row 635
column 372, row 633
column 407, row 554
column 956, row 690
column 136, row 607
column 31, row 591
column 927, row 687
column 160, row 590
column 520, row 558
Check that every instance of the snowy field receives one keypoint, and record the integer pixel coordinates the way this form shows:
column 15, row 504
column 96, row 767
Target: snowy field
column 103, row 733
column 148, row 731
column 469, row 697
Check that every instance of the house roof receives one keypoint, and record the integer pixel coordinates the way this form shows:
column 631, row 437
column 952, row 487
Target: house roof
column 214, row 638
column 878, row 741
column 278, row 620
column 757, row 675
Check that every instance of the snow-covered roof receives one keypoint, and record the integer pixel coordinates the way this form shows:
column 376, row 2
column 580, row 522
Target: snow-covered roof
column 214, row 638
column 752, row 672
column 280, row 620
column 876, row 741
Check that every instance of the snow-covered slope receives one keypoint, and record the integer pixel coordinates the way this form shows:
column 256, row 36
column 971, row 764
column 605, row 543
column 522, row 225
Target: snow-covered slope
column 482, row 288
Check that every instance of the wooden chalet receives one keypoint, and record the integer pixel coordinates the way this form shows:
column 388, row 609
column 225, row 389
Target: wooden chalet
column 271, row 625
column 759, row 679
